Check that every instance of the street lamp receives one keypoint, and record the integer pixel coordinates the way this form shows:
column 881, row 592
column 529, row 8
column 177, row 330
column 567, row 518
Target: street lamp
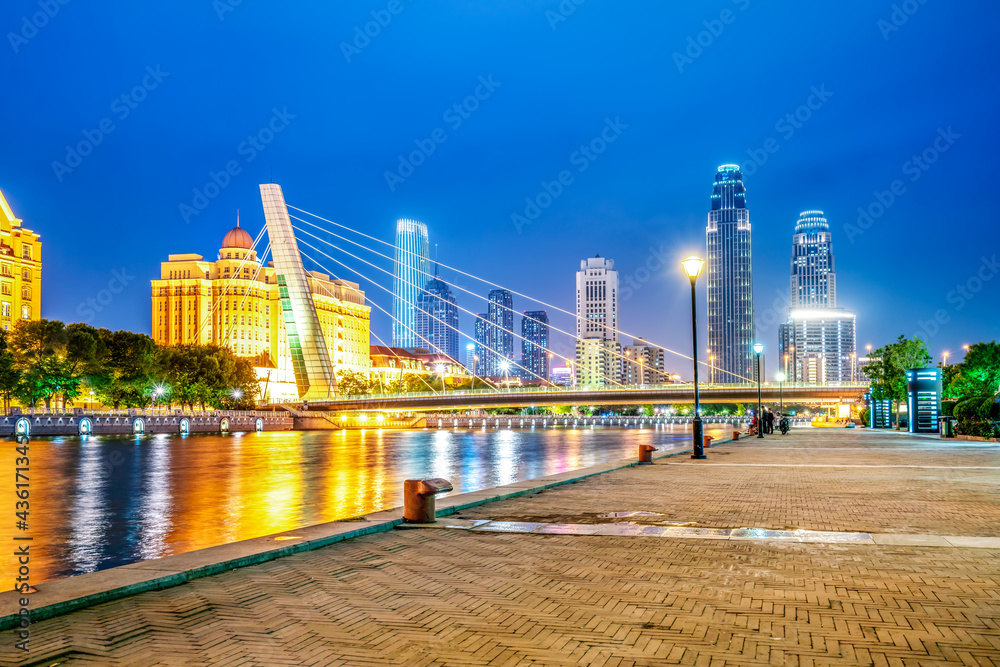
column 505, row 366
column 237, row 394
column 439, row 369
column 758, row 348
column 692, row 267
column 780, row 377
column 945, row 355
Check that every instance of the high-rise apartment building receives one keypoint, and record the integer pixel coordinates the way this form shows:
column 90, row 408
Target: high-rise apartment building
column 818, row 343
column 535, row 345
column 813, row 280
column 410, row 273
column 643, row 364
column 730, row 278
column 598, row 351
column 437, row 318
column 235, row 302
column 495, row 334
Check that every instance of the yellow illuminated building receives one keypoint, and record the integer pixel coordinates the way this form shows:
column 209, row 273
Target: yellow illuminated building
column 20, row 270
column 234, row 302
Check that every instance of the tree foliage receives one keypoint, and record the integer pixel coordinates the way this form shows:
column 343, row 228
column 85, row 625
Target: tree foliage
column 888, row 366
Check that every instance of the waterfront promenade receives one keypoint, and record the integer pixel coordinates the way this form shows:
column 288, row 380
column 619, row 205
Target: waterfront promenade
column 822, row 547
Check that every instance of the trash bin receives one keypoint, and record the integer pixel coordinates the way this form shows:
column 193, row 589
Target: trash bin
column 946, row 429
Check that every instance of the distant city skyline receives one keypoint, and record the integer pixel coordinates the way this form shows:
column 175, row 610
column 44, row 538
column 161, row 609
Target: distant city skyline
column 879, row 130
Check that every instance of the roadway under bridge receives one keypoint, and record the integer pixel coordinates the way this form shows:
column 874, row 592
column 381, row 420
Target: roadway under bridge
column 558, row 396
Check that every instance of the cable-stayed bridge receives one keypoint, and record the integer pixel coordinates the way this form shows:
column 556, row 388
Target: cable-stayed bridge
column 311, row 355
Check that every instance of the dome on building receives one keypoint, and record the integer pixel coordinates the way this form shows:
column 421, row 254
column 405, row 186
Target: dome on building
column 237, row 237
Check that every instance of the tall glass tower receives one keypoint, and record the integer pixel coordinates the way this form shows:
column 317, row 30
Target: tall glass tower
column 730, row 278
column 814, row 283
column 437, row 318
column 410, row 274
column 535, row 344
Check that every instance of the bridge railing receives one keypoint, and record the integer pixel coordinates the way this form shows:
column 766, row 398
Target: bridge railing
column 528, row 391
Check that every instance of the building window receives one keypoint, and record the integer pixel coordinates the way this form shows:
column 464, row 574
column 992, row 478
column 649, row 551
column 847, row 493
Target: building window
column 6, row 309
column 25, row 312
column 26, row 293
column 26, row 275
column 7, row 289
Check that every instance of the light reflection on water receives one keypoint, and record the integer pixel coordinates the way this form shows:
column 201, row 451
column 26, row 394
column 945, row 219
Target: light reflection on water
column 105, row 501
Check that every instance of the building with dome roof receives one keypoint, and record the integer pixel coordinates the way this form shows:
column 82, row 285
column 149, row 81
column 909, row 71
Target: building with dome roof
column 234, row 302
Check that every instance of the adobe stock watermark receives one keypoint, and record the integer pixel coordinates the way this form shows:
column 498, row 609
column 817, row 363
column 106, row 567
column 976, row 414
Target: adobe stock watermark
column 30, row 25
column 121, row 107
column 776, row 312
column 454, row 116
column 914, row 168
column 248, row 149
column 787, row 125
column 697, row 44
column 633, row 282
column 223, row 7
column 92, row 305
column 363, row 35
column 563, row 11
column 584, row 156
column 960, row 296
column 900, row 14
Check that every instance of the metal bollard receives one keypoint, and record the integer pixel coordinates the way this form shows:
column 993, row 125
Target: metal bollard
column 418, row 498
column 736, row 436
column 707, row 441
column 646, row 454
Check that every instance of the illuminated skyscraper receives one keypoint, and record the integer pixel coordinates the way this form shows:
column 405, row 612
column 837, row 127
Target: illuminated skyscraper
column 813, row 282
column 730, row 278
column 495, row 334
column 818, row 343
column 598, row 350
column 437, row 318
column 410, row 274
column 535, row 345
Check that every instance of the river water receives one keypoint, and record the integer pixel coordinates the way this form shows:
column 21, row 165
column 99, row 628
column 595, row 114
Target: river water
column 106, row 501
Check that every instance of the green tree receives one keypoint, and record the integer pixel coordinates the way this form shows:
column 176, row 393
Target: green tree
column 10, row 375
column 888, row 366
column 352, row 383
column 979, row 373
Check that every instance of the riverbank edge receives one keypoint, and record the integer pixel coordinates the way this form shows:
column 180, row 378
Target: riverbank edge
column 62, row 596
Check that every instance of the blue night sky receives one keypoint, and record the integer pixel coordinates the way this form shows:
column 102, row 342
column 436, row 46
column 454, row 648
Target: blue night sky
column 887, row 92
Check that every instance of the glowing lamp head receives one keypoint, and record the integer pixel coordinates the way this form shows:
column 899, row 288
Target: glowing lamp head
column 470, row 347
column 439, row 369
column 693, row 266
column 237, row 394
column 504, row 366
column 780, row 377
column 758, row 347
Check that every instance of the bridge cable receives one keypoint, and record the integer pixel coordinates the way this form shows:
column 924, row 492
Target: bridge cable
column 621, row 356
column 492, row 284
column 423, row 311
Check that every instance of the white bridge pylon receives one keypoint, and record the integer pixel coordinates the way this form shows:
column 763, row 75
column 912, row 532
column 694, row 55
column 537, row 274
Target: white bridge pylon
column 314, row 374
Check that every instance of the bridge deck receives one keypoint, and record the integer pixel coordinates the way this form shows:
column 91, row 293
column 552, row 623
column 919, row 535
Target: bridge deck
column 555, row 396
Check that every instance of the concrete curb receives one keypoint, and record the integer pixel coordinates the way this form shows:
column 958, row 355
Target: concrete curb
column 63, row 596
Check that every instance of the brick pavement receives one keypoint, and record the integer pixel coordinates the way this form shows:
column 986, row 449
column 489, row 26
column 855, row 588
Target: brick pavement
column 446, row 597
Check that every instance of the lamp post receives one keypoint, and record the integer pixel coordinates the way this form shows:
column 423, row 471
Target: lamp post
column 945, row 361
column 475, row 358
column 780, row 377
column 439, row 369
column 693, row 267
column 711, row 367
column 758, row 348
column 505, row 366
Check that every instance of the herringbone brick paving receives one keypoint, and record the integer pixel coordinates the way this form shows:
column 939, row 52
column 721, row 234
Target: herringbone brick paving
column 451, row 597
